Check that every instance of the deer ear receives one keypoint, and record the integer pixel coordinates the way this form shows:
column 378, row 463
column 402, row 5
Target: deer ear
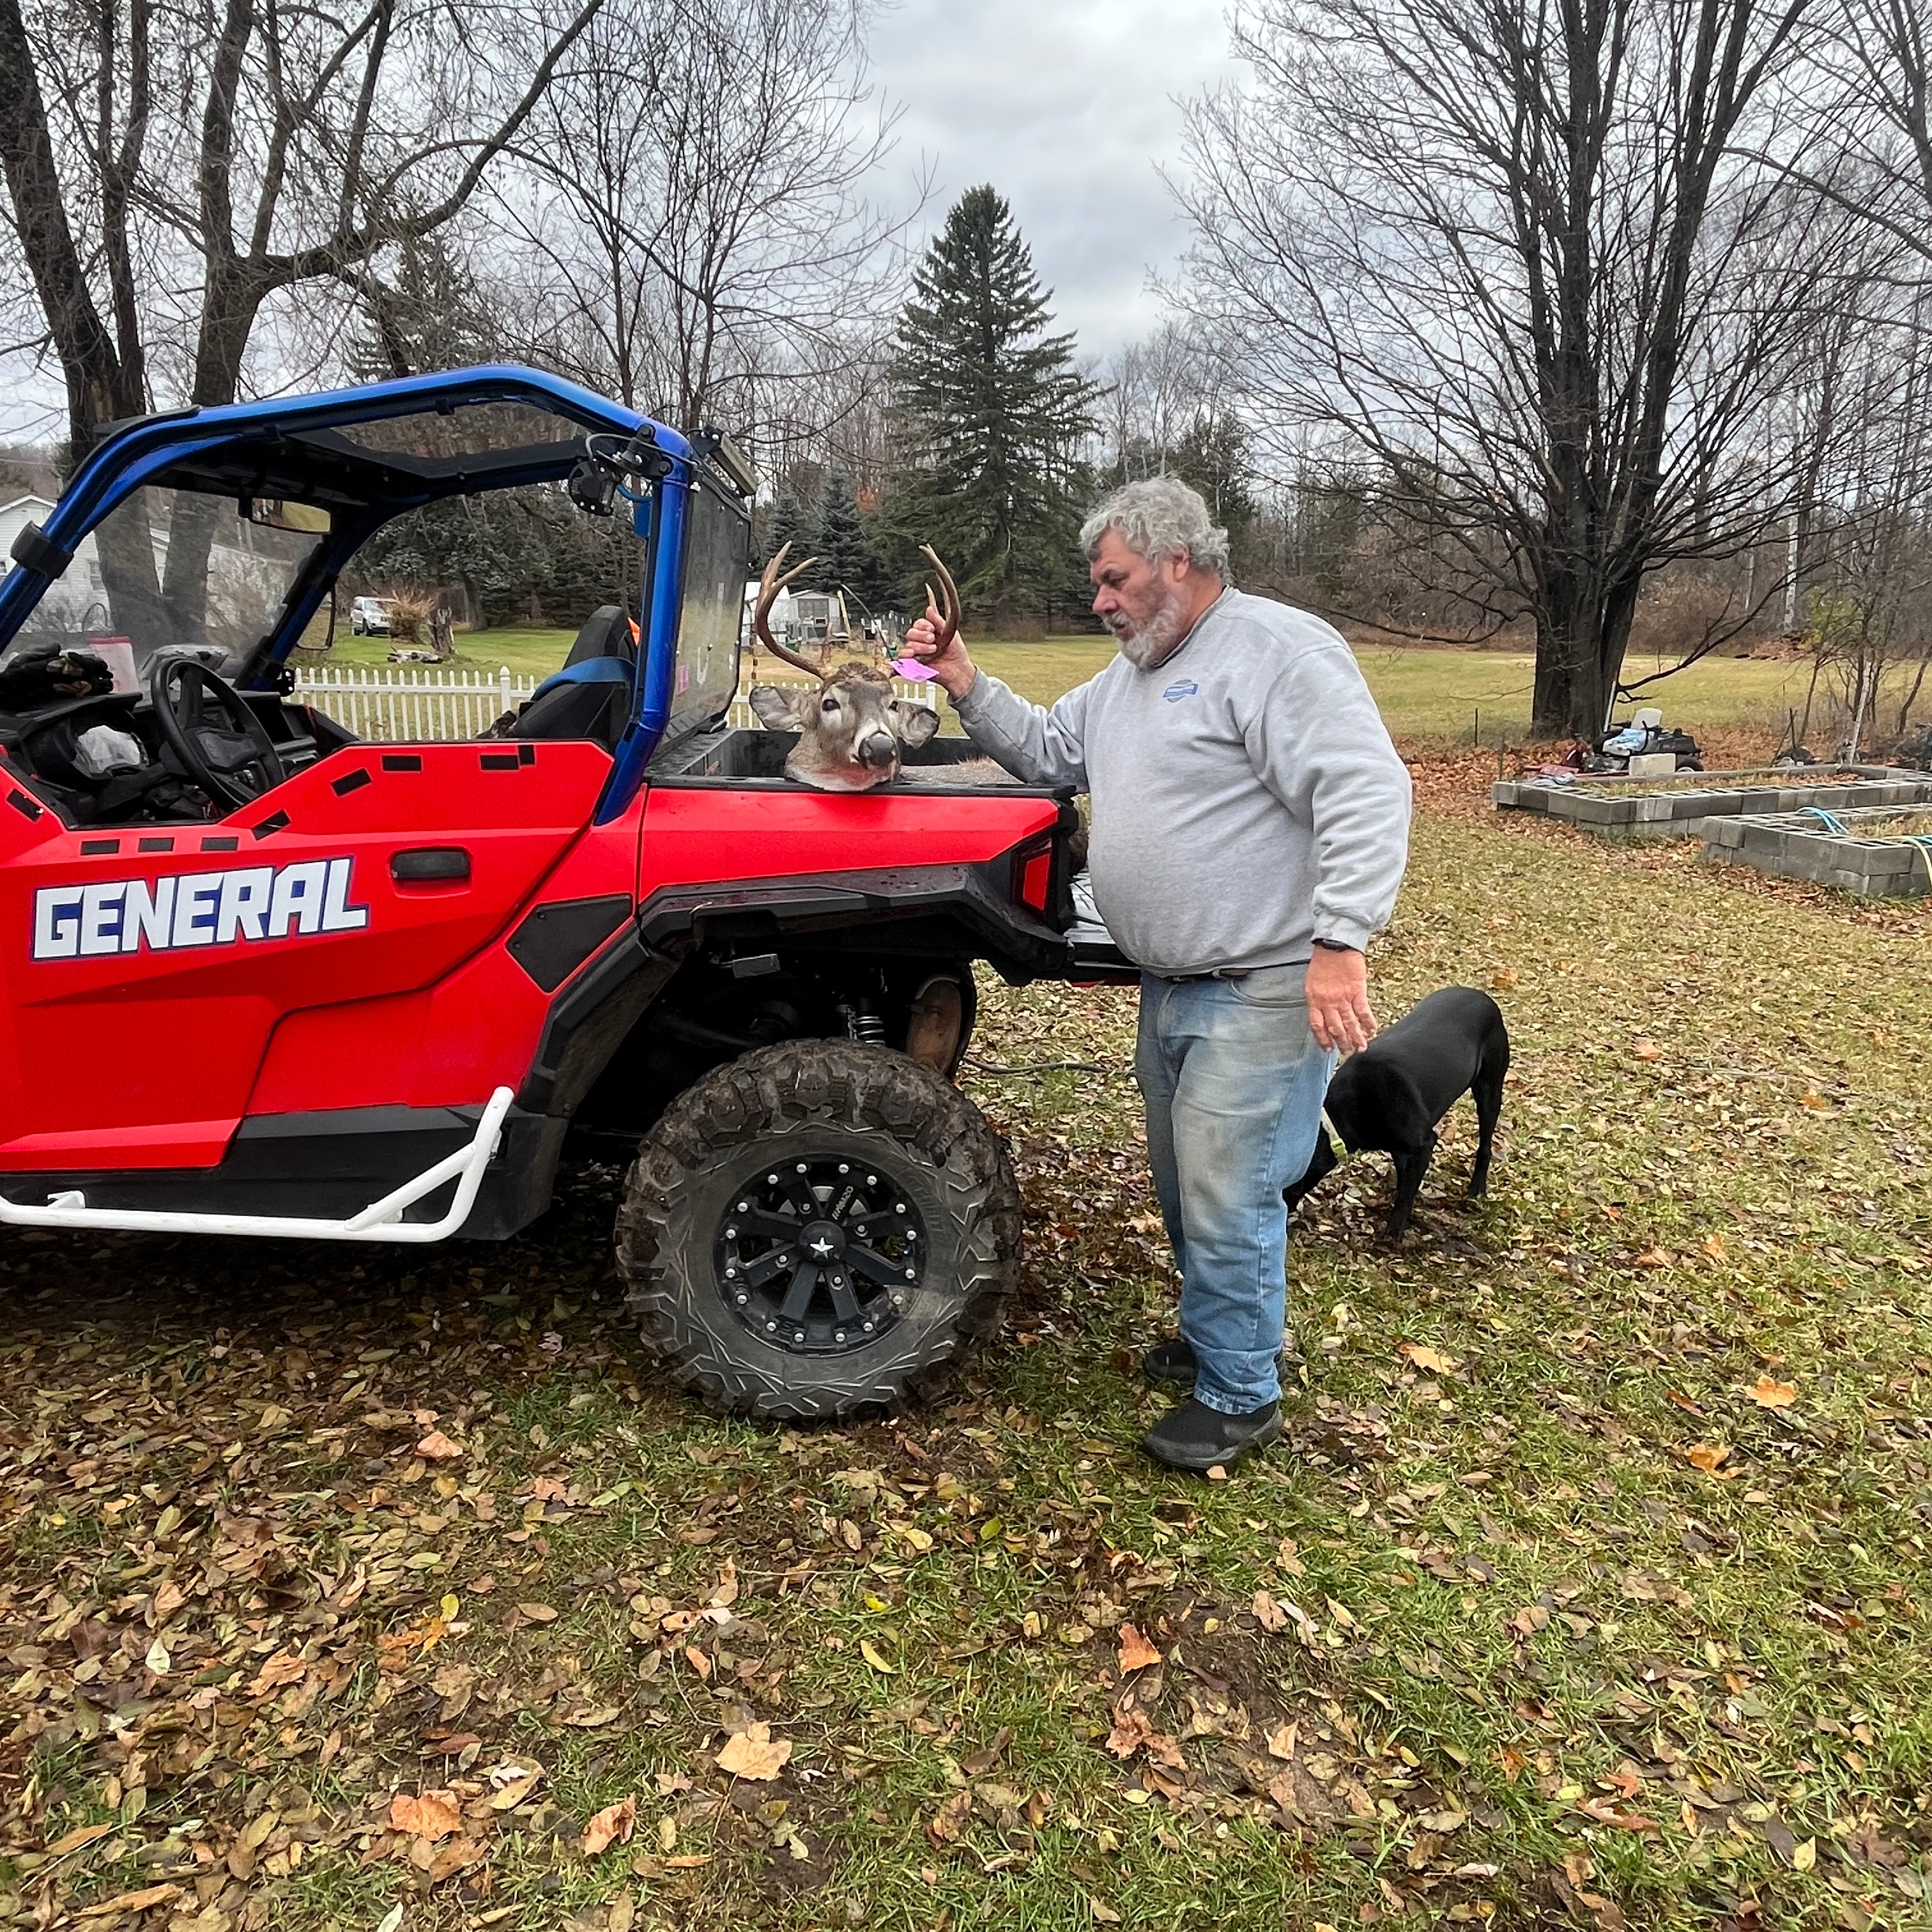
column 776, row 709
column 913, row 723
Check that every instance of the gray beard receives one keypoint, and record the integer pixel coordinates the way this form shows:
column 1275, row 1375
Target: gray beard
column 1158, row 636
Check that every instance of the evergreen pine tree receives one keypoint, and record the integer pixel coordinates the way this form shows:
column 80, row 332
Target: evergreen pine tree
column 990, row 410
column 786, row 525
column 1213, row 455
column 847, row 559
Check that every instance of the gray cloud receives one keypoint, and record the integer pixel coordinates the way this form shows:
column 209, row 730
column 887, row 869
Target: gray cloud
column 1067, row 106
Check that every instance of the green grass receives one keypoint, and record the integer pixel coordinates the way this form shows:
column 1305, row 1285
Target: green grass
column 1537, row 1656
column 1440, row 695
column 529, row 653
column 1428, row 696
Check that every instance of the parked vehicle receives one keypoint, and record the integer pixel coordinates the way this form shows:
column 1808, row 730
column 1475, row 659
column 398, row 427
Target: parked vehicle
column 372, row 616
column 264, row 978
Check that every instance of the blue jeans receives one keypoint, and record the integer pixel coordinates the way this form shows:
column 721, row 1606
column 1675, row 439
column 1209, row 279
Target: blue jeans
column 1234, row 1084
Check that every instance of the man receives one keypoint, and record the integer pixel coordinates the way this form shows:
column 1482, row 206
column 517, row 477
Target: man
column 1250, row 823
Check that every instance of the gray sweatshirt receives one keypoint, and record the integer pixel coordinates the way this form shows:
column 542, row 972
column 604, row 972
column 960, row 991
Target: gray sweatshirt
column 1246, row 799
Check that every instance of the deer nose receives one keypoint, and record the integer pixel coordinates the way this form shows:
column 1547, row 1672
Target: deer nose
column 877, row 747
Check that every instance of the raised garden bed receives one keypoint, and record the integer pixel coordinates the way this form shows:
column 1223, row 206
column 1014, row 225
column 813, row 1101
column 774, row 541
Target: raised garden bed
column 1873, row 852
column 1683, row 805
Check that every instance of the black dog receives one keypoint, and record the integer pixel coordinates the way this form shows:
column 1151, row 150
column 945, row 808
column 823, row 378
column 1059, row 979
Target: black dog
column 1389, row 1097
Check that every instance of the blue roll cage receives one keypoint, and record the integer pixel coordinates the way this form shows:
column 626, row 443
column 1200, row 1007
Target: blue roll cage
column 144, row 451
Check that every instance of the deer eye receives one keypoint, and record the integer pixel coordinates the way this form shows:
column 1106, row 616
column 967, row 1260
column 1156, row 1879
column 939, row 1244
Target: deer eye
column 830, row 704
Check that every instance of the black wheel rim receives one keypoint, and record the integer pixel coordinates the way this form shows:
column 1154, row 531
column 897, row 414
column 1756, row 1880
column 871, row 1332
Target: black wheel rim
column 819, row 1256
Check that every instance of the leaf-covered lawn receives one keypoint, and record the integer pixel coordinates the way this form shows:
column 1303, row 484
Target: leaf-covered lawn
column 378, row 1590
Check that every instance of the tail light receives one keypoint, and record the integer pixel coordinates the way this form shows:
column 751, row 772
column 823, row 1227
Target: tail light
column 1033, row 874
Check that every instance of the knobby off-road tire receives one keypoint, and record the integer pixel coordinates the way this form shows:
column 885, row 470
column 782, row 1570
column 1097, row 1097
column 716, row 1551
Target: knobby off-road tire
column 912, row 1165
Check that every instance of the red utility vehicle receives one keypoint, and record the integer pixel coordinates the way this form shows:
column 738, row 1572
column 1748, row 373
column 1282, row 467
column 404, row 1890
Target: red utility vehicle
column 264, row 978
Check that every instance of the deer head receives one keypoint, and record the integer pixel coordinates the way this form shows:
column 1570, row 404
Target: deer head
column 851, row 729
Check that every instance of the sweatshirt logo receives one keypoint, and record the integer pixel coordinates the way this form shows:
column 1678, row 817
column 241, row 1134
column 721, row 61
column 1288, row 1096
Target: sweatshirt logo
column 231, row 908
column 1182, row 688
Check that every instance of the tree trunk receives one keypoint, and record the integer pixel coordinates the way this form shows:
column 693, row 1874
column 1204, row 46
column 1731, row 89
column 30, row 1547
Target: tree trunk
column 100, row 387
column 1582, row 630
column 228, row 318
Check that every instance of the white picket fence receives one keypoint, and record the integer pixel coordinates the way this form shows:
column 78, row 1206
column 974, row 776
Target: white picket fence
column 392, row 702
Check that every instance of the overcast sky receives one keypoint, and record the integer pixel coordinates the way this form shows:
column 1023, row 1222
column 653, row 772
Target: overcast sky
column 1067, row 107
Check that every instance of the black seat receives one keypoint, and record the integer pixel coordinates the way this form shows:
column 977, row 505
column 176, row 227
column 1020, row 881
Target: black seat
column 590, row 697
column 606, row 634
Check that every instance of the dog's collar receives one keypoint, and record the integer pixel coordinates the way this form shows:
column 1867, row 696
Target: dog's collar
column 1334, row 1134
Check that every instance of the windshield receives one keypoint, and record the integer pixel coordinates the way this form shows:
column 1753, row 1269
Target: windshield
column 171, row 567
column 717, row 551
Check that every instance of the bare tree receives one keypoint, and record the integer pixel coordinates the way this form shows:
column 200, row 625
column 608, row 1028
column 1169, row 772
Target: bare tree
column 1511, row 260
column 1156, row 390
column 170, row 171
column 700, row 181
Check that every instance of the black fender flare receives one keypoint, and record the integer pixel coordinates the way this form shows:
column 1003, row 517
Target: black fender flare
column 596, row 1008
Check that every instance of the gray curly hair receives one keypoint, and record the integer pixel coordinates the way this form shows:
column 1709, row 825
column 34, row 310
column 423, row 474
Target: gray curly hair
column 1156, row 518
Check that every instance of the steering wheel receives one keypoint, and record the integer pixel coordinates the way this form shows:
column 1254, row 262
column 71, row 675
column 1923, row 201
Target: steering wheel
column 233, row 763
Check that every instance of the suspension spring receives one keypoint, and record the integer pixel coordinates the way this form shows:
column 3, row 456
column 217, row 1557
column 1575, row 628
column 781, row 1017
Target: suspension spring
column 864, row 1025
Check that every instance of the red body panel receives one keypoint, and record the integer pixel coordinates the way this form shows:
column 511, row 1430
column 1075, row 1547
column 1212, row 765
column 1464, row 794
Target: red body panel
column 147, row 1058
column 143, row 1032
column 701, row 836
column 451, row 1045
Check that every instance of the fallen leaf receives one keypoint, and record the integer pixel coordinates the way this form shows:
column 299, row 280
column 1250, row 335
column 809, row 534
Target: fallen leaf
column 1605, row 1813
column 979, row 1763
column 437, row 1448
column 536, row 1613
column 73, row 1841
column 148, row 1896
column 1648, row 1049
column 1133, row 1732
column 945, row 1825
column 1769, row 1393
column 613, row 1825
column 1706, row 1456
column 282, row 1668
column 513, row 1783
column 754, row 1753
column 1805, row 1855
column 1135, row 1653
column 1431, row 1361
column 1503, row 979
column 1281, row 1743
column 1103, row 1915
column 1654, row 1257
column 1268, row 1613
column 457, row 1856
column 725, row 1592
column 869, row 1650
column 434, row 1814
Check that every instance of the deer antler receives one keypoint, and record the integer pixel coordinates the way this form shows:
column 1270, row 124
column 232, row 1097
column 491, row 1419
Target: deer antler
column 770, row 585
column 943, row 616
